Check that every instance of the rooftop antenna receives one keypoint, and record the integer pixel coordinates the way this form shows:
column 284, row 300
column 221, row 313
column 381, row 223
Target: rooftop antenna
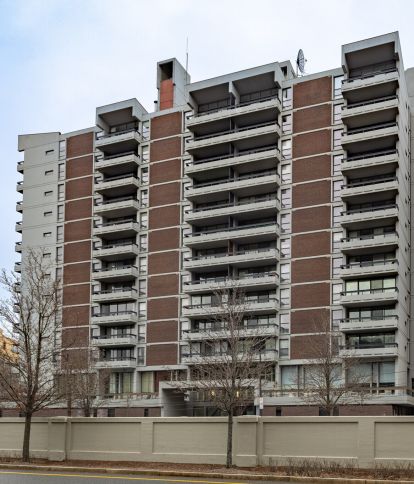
column 300, row 63
column 186, row 61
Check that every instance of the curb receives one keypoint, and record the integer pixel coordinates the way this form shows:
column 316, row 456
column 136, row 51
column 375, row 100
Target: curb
column 203, row 475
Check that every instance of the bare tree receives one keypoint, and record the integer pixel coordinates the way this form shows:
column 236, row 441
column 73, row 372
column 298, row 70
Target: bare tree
column 83, row 385
column 228, row 367
column 30, row 314
column 329, row 380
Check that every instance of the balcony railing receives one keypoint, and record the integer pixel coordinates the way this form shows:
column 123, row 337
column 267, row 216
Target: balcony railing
column 371, row 101
column 100, row 136
column 101, row 159
column 125, row 176
column 218, row 304
column 233, row 204
column 212, row 280
column 247, row 353
column 370, row 181
column 232, row 155
column 98, row 225
column 369, row 319
column 115, row 200
column 368, row 237
column 234, row 179
column 374, row 71
column 232, row 131
column 105, row 314
column 232, row 229
column 114, row 336
column 118, row 358
column 369, row 291
column 119, row 268
column 369, row 263
column 255, row 97
column 119, row 290
column 222, row 327
column 366, row 346
column 372, row 154
column 372, row 127
column 373, row 208
column 116, row 246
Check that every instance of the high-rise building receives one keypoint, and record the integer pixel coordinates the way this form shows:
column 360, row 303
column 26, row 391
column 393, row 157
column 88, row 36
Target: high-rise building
column 295, row 188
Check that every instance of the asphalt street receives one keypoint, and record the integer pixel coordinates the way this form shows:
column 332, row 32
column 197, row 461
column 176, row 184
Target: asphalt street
column 32, row 477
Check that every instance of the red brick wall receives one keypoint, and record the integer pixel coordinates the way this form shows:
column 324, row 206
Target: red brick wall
column 166, row 94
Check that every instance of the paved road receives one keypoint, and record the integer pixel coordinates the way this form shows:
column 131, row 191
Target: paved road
column 32, row 477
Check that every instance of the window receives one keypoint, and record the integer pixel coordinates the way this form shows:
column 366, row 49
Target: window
column 336, row 241
column 141, row 333
column 336, row 266
column 336, row 190
column 285, row 222
column 143, row 243
column 338, row 86
column 285, row 297
column 48, row 172
column 287, row 98
column 289, row 376
column 285, row 247
column 284, row 272
column 61, row 171
column 145, row 130
column 49, row 213
column 287, row 173
column 142, row 287
column 62, row 149
column 336, row 164
column 144, row 176
column 143, row 220
column 59, row 255
column 285, row 323
column 337, row 315
column 337, row 113
column 370, row 285
column 147, row 382
column 60, row 213
column 48, row 193
column 286, row 148
column 120, row 383
column 142, row 309
column 284, row 348
column 336, row 215
column 286, row 123
column 143, row 265
column 47, row 234
column 144, row 198
column 59, row 233
column 59, row 272
column 286, row 198
column 337, row 137
column 145, row 154
column 61, row 192
column 336, row 292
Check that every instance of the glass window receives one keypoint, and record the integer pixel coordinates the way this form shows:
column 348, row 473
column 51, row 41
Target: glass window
column 287, row 98
column 285, row 222
column 336, row 292
column 337, row 113
column 285, row 272
column 59, row 254
column 62, row 149
column 287, row 148
column 142, row 287
column 286, row 198
column 144, row 198
column 284, row 348
column 61, row 192
column 145, row 130
column 286, row 123
column 142, row 309
column 144, row 175
column 286, row 173
column 336, row 190
column 336, row 241
column 387, row 372
column 61, row 171
column 143, row 243
column 285, row 297
column 59, row 233
column 143, row 265
column 336, row 215
column 336, row 164
column 285, row 247
column 285, row 323
column 289, row 376
column 143, row 220
column 60, row 213
column 145, row 154
column 337, row 138
column 336, row 266
column 147, row 382
column 338, row 86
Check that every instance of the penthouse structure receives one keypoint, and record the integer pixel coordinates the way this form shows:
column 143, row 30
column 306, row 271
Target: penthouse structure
column 296, row 189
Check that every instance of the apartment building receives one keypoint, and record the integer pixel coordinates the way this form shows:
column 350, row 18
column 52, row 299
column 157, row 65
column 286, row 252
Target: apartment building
column 296, row 189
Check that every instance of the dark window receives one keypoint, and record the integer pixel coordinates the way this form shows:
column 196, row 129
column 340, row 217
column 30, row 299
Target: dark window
column 111, row 412
column 146, row 412
column 278, row 412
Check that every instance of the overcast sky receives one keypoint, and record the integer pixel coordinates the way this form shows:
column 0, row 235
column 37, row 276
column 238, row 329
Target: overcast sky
column 62, row 58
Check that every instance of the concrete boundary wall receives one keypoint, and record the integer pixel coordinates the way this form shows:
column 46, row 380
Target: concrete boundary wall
column 362, row 441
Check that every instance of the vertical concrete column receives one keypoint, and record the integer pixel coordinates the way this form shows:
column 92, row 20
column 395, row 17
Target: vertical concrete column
column 57, row 438
column 259, row 441
column 366, row 442
column 147, row 438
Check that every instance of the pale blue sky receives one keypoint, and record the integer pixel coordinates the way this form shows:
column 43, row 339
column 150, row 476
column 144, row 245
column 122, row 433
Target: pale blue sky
column 60, row 59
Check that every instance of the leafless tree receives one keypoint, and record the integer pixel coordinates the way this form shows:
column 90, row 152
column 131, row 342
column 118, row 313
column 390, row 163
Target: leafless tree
column 82, row 384
column 31, row 315
column 227, row 371
column 329, row 380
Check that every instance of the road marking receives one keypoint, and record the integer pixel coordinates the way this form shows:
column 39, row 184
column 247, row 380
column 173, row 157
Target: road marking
column 82, row 476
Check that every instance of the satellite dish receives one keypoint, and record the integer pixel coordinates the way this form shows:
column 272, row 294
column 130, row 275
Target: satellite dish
column 300, row 62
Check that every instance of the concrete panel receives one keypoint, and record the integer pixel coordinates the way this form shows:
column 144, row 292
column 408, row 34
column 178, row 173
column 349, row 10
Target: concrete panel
column 394, row 440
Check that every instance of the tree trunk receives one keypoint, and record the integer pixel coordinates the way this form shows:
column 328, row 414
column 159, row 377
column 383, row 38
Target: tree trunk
column 229, row 461
column 26, row 437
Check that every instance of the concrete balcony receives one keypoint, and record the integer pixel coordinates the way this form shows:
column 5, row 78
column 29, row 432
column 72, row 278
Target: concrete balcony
column 238, row 259
column 19, row 207
column 268, row 280
column 270, row 179
column 19, row 227
column 115, row 295
column 366, row 242
column 117, row 318
column 353, row 325
column 369, row 297
column 221, row 333
column 117, row 363
column 206, row 310
column 199, row 358
column 264, row 207
column 268, row 156
column 240, row 233
column 388, row 211
column 20, row 166
column 127, row 160
column 270, row 102
column 370, row 187
column 114, row 340
column 374, row 78
column 126, row 273
column 387, row 350
column 121, row 207
column 130, row 135
column 120, row 228
column 19, row 186
column 375, row 105
column 116, row 183
column 371, row 268
column 232, row 135
column 370, row 133
column 116, row 251
column 18, row 267
column 373, row 160
column 18, row 247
